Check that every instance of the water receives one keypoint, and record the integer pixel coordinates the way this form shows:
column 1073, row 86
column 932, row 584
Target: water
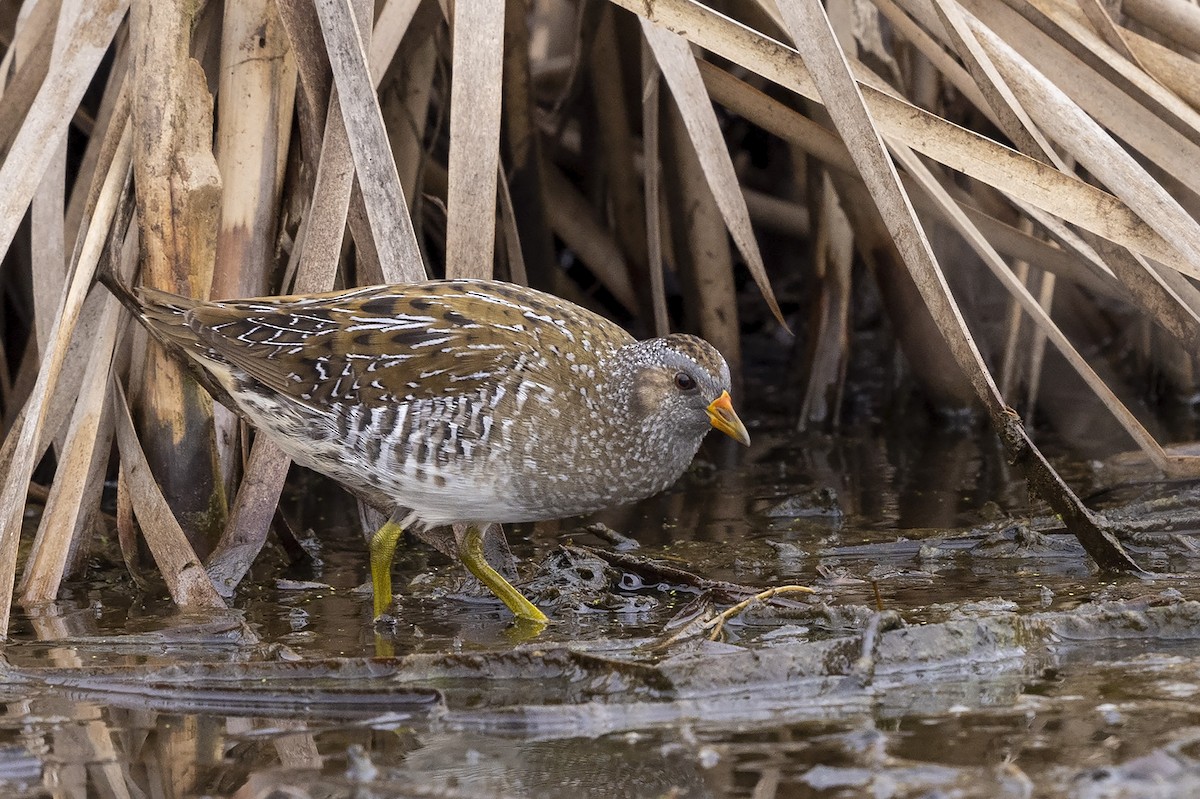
column 958, row 645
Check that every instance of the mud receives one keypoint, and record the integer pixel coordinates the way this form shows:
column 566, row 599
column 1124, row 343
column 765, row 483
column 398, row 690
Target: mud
column 957, row 644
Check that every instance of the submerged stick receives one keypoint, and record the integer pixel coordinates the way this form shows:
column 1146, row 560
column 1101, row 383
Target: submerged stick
column 717, row 623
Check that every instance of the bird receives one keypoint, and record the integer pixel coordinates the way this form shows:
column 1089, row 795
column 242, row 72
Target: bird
column 454, row 402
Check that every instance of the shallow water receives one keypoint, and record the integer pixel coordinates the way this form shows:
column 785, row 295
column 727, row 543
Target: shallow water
column 958, row 645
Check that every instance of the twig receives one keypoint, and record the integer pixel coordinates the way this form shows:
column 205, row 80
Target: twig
column 717, row 623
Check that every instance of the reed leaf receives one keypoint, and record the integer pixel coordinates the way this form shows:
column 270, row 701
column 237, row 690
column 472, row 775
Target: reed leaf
column 391, row 228
column 478, row 35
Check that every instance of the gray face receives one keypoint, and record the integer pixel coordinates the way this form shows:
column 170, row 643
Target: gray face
column 675, row 379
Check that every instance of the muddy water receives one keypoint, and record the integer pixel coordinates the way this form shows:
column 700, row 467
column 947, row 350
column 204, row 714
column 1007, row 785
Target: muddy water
column 957, row 645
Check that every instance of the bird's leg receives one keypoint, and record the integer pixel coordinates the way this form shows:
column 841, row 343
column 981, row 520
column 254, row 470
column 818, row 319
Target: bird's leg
column 470, row 552
column 383, row 548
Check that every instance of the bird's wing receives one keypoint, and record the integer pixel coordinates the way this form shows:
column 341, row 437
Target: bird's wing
column 389, row 343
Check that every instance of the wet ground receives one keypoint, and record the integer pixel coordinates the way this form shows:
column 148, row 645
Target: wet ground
column 958, row 645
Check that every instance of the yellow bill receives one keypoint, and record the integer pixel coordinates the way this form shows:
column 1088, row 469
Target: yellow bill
column 723, row 417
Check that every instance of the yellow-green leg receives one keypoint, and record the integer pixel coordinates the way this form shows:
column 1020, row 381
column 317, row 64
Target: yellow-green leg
column 470, row 552
column 383, row 548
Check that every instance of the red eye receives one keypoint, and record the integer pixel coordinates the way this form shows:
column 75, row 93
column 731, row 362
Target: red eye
column 684, row 381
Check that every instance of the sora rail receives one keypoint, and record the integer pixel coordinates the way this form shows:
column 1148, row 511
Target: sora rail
column 456, row 401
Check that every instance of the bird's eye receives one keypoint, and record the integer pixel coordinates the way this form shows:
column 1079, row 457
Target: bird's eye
column 684, row 381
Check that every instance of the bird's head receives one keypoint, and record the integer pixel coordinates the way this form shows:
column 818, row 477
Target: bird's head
column 680, row 384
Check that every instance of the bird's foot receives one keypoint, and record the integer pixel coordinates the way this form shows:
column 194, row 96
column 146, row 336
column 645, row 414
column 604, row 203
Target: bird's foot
column 385, row 647
column 383, row 548
column 470, row 551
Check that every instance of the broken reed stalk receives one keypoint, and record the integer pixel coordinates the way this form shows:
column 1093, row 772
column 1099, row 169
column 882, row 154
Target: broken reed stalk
column 179, row 192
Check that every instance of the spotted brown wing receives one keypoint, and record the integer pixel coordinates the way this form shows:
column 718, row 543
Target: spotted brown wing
column 387, row 343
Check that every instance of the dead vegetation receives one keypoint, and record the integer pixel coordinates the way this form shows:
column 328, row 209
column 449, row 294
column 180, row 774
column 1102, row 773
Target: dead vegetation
column 273, row 146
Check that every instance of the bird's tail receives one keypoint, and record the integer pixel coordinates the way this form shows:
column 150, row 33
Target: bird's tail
column 165, row 317
column 108, row 277
column 163, row 314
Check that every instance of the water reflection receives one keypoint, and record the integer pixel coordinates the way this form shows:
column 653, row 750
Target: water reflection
column 986, row 694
